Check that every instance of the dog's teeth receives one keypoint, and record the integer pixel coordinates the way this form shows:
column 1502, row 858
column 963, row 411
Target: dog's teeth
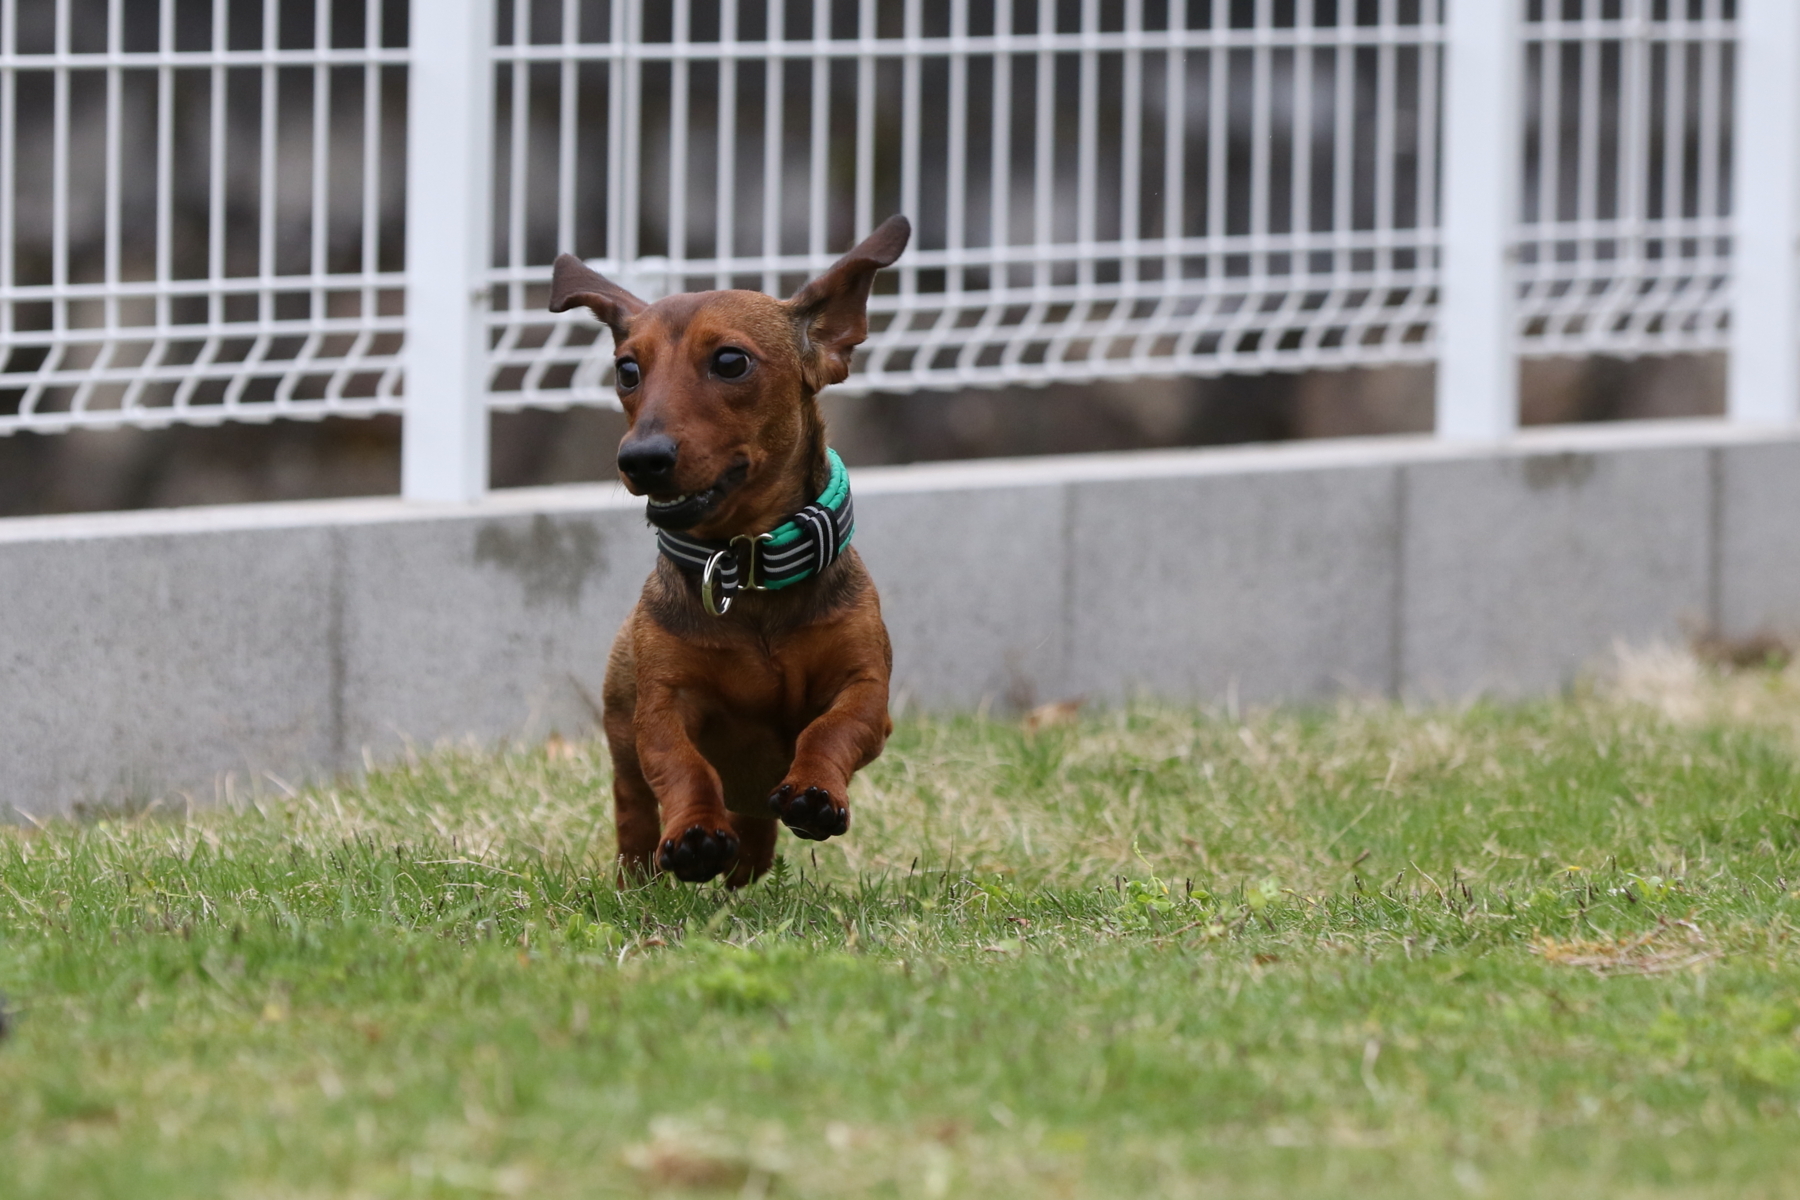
column 683, row 499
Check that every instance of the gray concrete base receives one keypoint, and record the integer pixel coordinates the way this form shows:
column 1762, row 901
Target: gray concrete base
column 190, row 651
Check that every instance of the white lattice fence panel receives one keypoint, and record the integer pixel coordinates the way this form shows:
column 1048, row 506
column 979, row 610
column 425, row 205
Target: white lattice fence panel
column 199, row 210
column 203, row 202
column 1625, row 241
column 1125, row 188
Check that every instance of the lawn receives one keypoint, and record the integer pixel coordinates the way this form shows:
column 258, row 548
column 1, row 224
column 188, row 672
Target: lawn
column 1531, row 950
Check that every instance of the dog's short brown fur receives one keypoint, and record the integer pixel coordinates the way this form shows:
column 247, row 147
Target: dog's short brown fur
column 725, row 724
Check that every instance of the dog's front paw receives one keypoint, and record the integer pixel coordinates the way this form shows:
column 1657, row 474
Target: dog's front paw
column 811, row 812
column 699, row 853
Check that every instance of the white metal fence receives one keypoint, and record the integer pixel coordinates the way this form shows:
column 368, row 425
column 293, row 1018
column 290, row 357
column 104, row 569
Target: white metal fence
column 1624, row 240
column 238, row 209
column 199, row 211
column 1098, row 189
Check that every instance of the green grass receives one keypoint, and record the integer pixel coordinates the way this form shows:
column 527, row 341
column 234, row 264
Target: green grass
column 1504, row 951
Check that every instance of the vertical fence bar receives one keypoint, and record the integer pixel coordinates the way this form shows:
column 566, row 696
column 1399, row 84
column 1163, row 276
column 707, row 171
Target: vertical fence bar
column 267, row 209
column 568, row 121
column 1765, row 318
column 817, row 204
column 1634, row 126
column 957, row 165
column 1387, row 106
column 1087, row 155
column 1000, row 154
column 629, row 180
column 217, row 132
column 444, row 455
column 725, row 202
column 1131, row 151
column 615, row 139
column 165, row 194
column 1218, row 126
column 1300, row 147
column 910, row 166
column 369, row 207
column 115, row 102
column 518, row 145
column 1044, row 150
column 1430, row 61
column 679, row 97
column 9, row 142
column 865, row 120
column 1262, row 145
column 1175, row 134
column 1477, row 374
column 774, row 115
column 59, row 174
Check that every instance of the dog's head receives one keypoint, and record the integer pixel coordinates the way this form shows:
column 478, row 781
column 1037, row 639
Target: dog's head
column 718, row 386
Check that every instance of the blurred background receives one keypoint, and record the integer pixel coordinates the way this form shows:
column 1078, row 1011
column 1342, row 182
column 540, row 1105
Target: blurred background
column 162, row 158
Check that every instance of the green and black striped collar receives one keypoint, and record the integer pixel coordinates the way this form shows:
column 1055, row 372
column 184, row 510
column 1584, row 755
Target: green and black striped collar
column 797, row 549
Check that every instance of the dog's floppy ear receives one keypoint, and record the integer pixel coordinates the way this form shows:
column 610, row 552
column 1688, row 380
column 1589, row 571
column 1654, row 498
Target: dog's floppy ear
column 574, row 282
column 832, row 312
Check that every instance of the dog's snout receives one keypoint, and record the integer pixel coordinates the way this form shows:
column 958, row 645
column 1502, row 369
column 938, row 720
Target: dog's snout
column 649, row 462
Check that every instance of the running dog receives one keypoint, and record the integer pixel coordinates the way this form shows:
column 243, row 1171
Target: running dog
column 751, row 680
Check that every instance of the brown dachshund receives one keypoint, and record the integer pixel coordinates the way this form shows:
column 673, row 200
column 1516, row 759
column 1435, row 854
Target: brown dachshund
column 751, row 680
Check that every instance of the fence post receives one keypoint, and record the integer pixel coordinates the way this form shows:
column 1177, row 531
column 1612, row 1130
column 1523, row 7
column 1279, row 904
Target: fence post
column 1765, row 306
column 449, row 182
column 1478, row 370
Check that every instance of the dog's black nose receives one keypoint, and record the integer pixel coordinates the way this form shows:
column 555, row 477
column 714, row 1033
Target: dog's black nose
column 649, row 462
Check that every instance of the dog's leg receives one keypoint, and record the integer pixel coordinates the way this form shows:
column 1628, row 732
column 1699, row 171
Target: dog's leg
column 634, row 804
column 814, row 799
column 698, row 841
column 756, row 849
column 634, row 810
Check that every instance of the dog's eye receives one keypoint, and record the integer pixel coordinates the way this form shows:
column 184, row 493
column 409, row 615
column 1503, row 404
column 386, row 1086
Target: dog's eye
column 730, row 363
column 627, row 373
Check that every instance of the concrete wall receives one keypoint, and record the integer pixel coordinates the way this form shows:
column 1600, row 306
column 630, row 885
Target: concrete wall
column 198, row 650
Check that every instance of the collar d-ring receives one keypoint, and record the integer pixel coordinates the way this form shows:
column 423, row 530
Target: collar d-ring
column 715, row 604
column 711, row 586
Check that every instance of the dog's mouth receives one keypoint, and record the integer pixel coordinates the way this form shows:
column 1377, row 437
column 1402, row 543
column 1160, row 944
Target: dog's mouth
column 685, row 510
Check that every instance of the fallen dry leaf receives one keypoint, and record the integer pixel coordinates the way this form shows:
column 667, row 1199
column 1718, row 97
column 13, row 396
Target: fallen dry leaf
column 1063, row 712
column 678, row 1158
column 1671, row 946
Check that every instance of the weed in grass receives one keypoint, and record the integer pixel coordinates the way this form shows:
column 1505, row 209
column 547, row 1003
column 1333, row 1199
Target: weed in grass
column 1492, row 950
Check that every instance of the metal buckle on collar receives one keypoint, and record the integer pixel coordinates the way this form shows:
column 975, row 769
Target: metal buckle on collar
column 719, row 605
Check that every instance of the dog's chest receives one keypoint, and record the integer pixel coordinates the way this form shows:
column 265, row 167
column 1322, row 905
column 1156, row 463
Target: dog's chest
column 762, row 685
column 749, row 725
